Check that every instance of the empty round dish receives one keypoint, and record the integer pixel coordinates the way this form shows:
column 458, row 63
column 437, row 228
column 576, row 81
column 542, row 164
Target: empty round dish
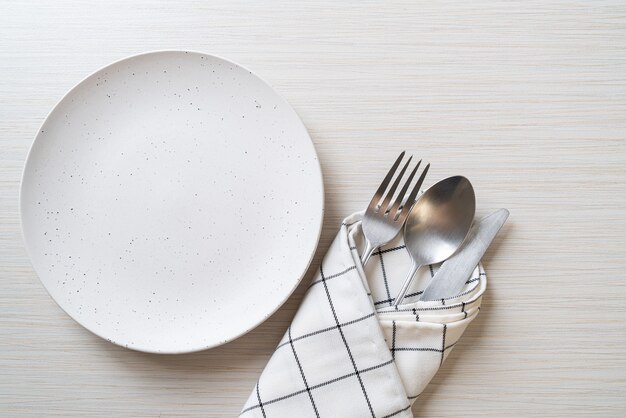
column 171, row 202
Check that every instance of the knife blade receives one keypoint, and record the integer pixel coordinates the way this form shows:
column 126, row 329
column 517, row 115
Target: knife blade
column 453, row 274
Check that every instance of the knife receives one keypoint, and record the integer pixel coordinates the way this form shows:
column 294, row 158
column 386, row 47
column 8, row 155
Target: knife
column 453, row 274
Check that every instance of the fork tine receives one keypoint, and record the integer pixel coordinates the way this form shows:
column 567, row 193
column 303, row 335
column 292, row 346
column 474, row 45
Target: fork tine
column 394, row 186
column 393, row 212
column 385, row 182
column 409, row 202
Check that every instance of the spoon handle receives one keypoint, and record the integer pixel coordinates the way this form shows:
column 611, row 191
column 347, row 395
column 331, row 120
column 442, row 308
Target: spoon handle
column 407, row 284
column 367, row 253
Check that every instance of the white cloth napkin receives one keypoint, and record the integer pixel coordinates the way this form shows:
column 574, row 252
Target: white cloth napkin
column 348, row 352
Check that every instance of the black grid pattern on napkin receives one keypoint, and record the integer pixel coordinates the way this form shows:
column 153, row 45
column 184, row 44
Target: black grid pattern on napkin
column 354, row 377
column 309, row 391
column 313, row 390
column 388, row 300
column 345, row 342
column 265, row 403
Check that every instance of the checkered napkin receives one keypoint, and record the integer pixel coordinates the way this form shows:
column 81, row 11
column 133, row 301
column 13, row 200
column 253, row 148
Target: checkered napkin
column 348, row 352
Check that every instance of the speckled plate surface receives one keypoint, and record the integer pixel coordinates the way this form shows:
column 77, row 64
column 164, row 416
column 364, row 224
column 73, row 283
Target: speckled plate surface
column 171, row 202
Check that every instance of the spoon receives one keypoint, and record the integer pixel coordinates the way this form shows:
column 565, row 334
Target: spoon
column 437, row 224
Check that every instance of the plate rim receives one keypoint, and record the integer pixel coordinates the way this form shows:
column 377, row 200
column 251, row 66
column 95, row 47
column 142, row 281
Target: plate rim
column 261, row 320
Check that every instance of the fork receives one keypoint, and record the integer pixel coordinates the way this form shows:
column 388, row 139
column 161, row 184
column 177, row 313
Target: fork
column 383, row 221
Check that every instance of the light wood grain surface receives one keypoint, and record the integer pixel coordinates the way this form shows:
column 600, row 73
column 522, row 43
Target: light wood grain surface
column 527, row 99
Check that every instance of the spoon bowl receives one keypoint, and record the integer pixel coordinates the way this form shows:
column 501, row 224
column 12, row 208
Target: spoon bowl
column 438, row 224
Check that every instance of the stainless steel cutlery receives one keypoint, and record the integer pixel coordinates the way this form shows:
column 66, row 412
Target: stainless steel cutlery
column 436, row 225
column 382, row 220
column 452, row 275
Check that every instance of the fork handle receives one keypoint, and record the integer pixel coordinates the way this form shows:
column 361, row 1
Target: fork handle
column 367, row 253
column 406, row 285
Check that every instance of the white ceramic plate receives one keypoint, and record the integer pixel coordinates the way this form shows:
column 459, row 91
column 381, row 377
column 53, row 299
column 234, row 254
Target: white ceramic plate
column 171, row 202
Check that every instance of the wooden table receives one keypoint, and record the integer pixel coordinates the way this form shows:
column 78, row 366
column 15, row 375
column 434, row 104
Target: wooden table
column 527, row 99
